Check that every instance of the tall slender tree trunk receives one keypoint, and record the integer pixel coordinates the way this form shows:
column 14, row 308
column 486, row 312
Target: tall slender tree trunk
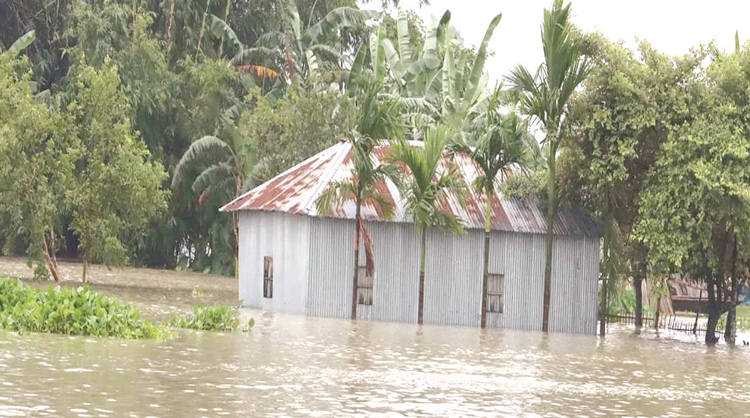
column 607, row 248
column 420, row 314
column 356, row 252
column 486, row 271
column 50, row 257
column 170, row 27
column 713, row 311
column 85, row 268
column 203, row 28
column 550, row 236
column 638, row 287
column 698, row 313
column 730, row 332
column 658, row 310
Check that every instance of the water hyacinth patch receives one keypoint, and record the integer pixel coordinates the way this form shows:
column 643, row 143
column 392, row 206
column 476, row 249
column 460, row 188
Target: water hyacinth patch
column 71, row 311
column 211, row 318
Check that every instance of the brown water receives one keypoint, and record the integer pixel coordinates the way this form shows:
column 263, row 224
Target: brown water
column 293, row 366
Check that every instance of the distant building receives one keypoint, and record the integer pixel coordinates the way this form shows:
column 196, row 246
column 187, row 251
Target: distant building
column 292, row 260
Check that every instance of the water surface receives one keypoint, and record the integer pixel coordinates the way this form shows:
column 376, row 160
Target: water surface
column 294, row 366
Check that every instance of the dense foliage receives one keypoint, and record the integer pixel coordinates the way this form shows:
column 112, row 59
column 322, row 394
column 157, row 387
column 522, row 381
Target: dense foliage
column 71, row 311
column 125, row 125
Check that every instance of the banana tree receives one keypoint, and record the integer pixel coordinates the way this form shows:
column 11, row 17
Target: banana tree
column 21, row 43
column 299, row 46
column 545, row 96
column 378, row 119
column 426, row 186
column 465, row 96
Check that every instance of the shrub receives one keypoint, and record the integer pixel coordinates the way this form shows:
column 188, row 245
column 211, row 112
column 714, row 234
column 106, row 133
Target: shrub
column 69, row 311
column 210, row 318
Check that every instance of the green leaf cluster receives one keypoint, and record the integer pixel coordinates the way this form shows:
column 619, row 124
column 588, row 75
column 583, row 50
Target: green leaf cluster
column 71, row 311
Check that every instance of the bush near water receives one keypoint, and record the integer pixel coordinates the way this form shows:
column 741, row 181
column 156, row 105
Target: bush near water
column 71, row 311
column 81, row 311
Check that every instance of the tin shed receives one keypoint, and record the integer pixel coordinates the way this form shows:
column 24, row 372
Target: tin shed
column 292, row 260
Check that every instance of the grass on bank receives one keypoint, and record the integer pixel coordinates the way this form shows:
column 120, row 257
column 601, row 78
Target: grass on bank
column 81, row 311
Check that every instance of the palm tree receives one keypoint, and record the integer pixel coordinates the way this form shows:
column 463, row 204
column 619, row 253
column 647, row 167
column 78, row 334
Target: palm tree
column 545, row 96
column 377, row 119
column 501, row 142
column 426, row 187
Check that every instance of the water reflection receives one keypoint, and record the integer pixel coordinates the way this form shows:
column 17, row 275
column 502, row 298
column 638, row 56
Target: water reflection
column 298, row 366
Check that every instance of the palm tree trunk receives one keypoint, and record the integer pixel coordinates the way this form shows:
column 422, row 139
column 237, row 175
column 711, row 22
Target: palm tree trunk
column 420, row 315
column 607, row 248
column 356, row 253
column 550, row 236
column 486, row 272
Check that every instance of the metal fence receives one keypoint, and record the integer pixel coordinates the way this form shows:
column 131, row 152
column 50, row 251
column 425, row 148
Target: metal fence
column 670, row 322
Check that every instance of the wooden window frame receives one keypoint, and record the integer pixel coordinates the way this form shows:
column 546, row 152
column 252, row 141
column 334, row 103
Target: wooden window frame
column 365, row 286
column 268, row 277
column 495, row 295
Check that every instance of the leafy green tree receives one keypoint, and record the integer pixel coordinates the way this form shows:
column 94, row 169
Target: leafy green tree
column 377, row 119
column 545, row 96
column 296, row 127
column 118, row 186
column 612, row 147
column 501, row 142
column 426, row 186
column 37, row 156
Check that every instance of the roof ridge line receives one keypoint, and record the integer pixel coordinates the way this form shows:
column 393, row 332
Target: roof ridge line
column 328, row 175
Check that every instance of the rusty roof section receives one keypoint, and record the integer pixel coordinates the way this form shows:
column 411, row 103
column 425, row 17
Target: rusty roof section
column 297, row 189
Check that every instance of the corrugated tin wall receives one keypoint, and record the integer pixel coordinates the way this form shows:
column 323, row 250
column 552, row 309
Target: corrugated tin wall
column 453, row 274
column 284, row 237
column 396, row 286
column 452, row 280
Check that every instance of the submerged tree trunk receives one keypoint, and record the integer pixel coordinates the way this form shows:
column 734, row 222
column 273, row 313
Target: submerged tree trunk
column 713, row 312
column 607, row 248
column 486, row 271
column 638, row 287
column 730, row 333
column 550, row 237
column 697, row 314
column 656, row 317
column 356, row 253
column 420, row 313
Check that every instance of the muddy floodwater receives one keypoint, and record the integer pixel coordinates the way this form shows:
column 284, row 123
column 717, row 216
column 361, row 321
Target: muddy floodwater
column 294, row 366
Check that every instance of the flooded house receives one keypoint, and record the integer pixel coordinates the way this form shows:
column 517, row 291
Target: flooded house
column 292, row 259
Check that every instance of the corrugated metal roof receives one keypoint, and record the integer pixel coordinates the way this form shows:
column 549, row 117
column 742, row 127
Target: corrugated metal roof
column 297, row 189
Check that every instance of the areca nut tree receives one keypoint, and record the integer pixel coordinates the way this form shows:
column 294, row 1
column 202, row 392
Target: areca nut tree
column 545, row 96
column 377, row 119
column 426, row 185
column 502, row 141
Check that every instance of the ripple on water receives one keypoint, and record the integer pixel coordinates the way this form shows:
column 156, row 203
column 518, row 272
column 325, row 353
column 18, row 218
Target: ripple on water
column 299, row 366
